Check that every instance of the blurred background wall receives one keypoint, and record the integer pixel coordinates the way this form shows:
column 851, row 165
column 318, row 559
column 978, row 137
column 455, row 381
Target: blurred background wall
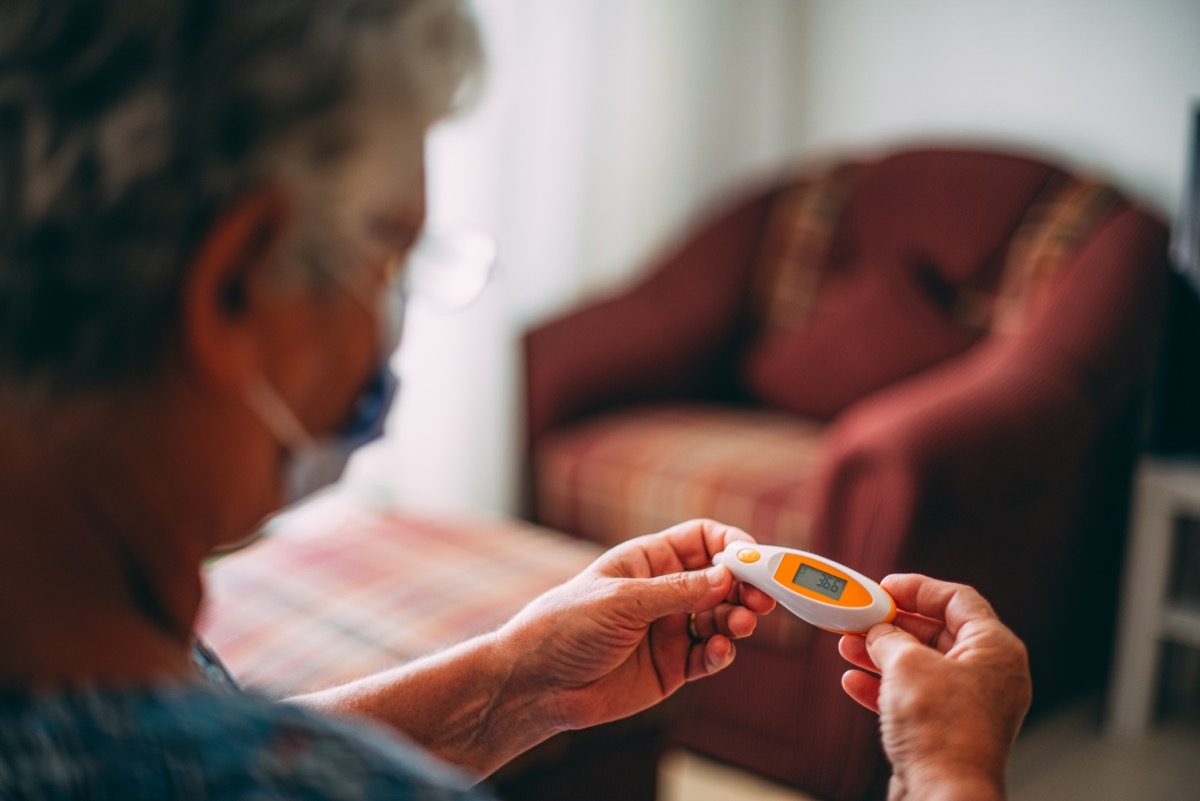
column 606, row 125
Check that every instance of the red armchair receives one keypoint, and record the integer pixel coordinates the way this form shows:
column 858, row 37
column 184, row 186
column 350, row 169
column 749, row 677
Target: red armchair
column 928, row 362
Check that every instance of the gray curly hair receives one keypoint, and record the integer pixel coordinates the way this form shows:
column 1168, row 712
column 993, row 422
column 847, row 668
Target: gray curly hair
column 127, row 125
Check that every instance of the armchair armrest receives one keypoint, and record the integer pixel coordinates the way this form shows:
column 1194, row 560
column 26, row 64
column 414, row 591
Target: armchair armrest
column 983, row 433
column 989, row 475
column 1011, row 423
column 671, row 335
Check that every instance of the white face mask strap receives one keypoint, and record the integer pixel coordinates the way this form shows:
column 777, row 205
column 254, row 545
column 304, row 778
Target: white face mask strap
column 275, row 414
column 388, row 309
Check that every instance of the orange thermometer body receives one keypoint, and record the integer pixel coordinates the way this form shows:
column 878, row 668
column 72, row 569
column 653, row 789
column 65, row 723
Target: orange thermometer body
column 828, row 595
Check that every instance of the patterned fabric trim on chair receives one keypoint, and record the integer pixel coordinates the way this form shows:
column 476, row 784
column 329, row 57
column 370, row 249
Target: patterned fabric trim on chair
column 1050, row 234
column 799, row 236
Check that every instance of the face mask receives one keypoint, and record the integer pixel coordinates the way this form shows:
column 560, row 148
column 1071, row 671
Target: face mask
column 314, row 464
column 448, row 271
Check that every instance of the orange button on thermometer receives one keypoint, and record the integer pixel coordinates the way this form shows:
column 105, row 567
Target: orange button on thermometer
column 828, row 595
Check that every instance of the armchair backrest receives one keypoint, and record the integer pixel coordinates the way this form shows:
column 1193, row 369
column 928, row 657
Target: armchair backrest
column 873, row 272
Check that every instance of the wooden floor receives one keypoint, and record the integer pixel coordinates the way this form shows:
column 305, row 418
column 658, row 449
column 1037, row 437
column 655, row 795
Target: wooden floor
column 1063, row 757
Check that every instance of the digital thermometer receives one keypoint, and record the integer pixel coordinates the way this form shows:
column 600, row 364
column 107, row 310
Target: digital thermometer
column 828, row 595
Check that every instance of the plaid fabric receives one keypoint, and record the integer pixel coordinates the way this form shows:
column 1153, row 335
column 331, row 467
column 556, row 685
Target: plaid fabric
column 630, row 473
column 336, row 593
column 634, row 472
column 798, row 239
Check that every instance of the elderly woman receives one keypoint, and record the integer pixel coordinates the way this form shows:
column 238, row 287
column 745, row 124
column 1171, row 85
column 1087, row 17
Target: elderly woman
column 203, row 208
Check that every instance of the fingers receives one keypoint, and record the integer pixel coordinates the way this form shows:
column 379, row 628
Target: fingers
column 707, row 657
column 678, row 562
column 931, row 632
column 686, row 546
column 694, row 591
column 671, row 573
column 698, row 592
column 714, row 536
column 682, row 539
column 888, row 644
column 863, row 688
column 853, row 648
column 956, row 604
column 752, row 598
column 734, row 622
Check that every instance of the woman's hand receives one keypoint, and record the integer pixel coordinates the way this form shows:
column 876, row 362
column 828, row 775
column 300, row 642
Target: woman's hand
column 610, row 642
column 951, row 685
column 617, row 638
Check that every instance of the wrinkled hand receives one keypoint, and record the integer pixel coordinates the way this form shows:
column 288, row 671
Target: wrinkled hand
column 614, row 640
column 952, row 689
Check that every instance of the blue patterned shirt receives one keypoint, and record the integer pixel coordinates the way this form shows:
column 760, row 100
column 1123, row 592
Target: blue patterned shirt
column 204, row 741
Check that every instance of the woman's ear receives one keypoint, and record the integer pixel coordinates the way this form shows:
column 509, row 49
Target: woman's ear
column 223, row 319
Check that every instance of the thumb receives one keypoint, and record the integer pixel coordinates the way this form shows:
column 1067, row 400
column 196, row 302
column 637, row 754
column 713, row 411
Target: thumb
column 691, row 591
column 887, row 643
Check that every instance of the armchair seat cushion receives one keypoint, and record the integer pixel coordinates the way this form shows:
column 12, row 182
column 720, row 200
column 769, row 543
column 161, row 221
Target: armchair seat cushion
column 646, row 468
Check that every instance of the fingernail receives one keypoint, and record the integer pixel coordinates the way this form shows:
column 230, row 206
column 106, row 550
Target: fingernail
column 716, row 576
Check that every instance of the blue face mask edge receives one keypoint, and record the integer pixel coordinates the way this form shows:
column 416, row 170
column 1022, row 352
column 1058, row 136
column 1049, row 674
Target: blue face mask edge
column 314, row 464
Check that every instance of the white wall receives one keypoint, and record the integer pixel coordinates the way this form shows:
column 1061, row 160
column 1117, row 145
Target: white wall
column 608, row 123
column 1099, row 84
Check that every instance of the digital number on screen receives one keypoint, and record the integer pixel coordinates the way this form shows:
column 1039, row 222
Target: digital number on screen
column 819, row 581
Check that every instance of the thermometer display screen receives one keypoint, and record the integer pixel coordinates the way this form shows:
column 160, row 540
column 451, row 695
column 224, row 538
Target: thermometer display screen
column 820, row 581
